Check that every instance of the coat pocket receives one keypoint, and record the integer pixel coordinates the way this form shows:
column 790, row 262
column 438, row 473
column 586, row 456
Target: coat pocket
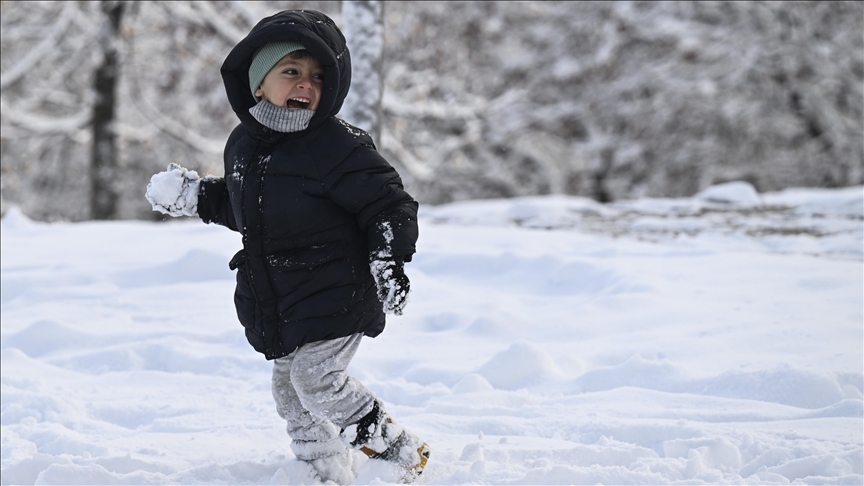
column 238, row 259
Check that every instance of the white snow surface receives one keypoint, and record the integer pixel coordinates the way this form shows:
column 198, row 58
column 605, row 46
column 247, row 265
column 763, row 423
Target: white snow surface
column 548, row 340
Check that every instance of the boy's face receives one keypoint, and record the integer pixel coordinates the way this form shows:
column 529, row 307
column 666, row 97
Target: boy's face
column 293, row 83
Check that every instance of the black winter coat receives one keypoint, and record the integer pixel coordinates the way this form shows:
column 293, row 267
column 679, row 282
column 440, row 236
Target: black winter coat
column 312, row 205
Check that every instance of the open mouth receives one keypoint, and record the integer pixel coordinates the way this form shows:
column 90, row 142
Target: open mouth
column 298, row 103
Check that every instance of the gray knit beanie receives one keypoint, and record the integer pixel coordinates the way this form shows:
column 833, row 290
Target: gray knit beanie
column 267, row 57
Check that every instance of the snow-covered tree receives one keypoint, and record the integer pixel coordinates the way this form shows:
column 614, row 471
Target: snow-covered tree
column 480, row 99
column 623, row 99
column 170, row 105
column 46, row 92
column 104, row 154
column 363, row 26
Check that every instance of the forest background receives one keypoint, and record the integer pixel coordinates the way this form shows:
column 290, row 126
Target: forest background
column 607, row 100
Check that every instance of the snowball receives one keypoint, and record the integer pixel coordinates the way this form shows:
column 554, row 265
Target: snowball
column 174, row 192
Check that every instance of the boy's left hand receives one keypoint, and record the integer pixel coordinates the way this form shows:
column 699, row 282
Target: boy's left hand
column 393, row 285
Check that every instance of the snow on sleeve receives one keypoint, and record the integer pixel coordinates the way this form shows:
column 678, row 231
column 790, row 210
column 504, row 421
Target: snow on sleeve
column 174, row 192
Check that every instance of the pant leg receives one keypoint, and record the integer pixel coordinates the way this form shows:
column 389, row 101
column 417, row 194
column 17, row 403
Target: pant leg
column 312, row 436
column 324, row 387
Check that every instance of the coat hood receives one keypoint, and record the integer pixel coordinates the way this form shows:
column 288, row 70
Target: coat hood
column 318, row 34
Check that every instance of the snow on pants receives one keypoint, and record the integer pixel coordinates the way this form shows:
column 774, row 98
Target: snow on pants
column 316, row 396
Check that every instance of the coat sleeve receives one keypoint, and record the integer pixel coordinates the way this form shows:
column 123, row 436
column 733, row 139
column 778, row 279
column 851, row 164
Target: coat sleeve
column 366, row 185
column 214, row 204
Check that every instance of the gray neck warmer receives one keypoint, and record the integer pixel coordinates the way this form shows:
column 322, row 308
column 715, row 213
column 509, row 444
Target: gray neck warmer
column 281, row 119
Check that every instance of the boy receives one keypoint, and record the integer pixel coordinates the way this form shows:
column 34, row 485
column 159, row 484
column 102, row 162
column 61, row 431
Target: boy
column 326, row 226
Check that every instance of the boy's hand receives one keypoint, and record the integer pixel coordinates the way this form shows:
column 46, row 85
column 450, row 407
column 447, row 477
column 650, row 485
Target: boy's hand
column 393, row 285
column 174, row 192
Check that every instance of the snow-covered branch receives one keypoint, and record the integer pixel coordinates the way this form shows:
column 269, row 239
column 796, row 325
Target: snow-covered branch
column 42, row 124
column 156, row 118
column 608, row 100
column 433, row 109
column 251, row 15
column 218, row 21
column 202, row 13
column 416, row 167
column 175, row 129
column 26, row 63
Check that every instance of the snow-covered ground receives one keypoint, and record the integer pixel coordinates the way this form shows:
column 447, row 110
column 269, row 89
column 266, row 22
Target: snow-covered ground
column 548, row 340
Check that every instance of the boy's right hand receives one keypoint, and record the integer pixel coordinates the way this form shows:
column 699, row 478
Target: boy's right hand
column 174, row 192
column 393, row 285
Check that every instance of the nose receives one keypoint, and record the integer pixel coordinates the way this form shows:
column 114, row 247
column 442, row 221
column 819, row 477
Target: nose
column 305, row 81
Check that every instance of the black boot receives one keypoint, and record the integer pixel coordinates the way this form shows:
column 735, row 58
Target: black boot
column 378, row 436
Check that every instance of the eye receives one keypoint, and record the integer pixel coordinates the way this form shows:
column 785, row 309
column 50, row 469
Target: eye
column 318, row 76
column 290, row 71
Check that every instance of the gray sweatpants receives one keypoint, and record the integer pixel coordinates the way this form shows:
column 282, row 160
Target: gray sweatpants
column 317, row 398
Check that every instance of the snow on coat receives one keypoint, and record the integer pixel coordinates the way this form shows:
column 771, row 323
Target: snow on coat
column 309, row 204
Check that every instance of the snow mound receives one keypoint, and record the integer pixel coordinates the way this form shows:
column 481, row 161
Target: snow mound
column 734, row 215
column 636, row 371
column 472, row 383
column 552, row 211
column 15, row 218
column 546, row 275
column 784, row 385
column 846, row 202
column 521, row 365
column 195, row 266
column 704, row 454
column 799, row 388
column 46, row 336
column 740, row 193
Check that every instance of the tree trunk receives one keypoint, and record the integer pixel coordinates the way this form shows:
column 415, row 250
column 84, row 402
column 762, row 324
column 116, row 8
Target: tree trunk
column 364, row 30
column 103, row 157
